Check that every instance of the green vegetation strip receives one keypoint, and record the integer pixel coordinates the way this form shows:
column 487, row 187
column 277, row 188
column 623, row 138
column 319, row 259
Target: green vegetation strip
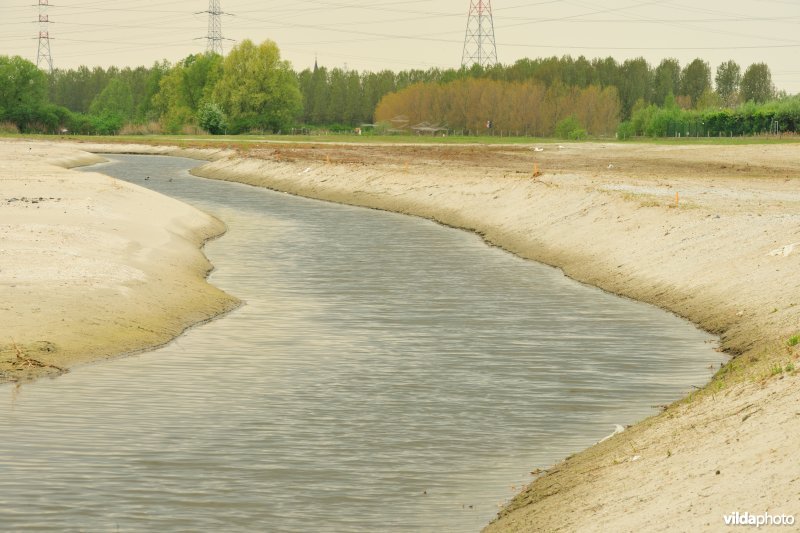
column 252, row 90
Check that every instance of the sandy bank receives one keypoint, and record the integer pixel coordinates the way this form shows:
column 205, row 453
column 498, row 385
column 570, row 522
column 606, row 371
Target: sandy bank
column 722, row 253
column 92, row 267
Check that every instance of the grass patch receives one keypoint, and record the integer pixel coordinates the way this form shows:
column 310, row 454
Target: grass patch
column 644, row 200
column 8, row 128
column 781, row 368
column 794, row 340
column 141, row 135
column 241, row 140
column 759, row 364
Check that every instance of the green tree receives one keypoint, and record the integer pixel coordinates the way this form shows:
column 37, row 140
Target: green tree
column 116, row 99
column 76, row 89
column 635, row 83
column 149, row 84
column 199, row 74
column 695, row 80
column 304, row 80
column 583, row 73
column 607, row 72
column 376, row 86
column 319, row 96
column 728, row 79
column 354, row 97
column 184, row 88
column 666, row 80
column 172, row 101
column 757, row 84
column 337, row 99
column 550, row 71
column 22, row 85
column 23, row 98
column 257, row 89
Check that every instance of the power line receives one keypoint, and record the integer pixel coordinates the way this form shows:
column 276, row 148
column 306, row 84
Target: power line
column 283, row 18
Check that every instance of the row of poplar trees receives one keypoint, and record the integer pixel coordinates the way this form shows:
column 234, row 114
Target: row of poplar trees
column 253, row 89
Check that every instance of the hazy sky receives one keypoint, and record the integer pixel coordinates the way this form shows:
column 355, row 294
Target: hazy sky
column 401, row 34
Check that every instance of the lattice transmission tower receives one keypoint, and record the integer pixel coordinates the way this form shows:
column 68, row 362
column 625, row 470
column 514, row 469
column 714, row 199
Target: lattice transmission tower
column 479, row 45
column 215, row 38
column 43, row 55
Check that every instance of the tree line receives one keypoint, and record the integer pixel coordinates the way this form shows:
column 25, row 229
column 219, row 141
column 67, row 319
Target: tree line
column 350, row 98
column 476, row 105
column 252, row 89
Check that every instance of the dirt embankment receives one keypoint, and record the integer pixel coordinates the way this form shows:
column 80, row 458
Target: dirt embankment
column 92, row 267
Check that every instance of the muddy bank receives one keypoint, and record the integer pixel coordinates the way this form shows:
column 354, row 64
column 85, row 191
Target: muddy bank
column 91, row 267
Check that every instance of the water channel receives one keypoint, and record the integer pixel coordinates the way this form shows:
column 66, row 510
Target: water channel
column 385, row 374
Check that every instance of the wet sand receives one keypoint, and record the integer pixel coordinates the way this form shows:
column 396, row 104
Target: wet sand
column 92, row 267
column 711, row 233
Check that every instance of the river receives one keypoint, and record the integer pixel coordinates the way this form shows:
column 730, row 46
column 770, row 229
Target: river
column 385, row 374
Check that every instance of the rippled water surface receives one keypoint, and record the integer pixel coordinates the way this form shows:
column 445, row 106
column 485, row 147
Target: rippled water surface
column 385, row 374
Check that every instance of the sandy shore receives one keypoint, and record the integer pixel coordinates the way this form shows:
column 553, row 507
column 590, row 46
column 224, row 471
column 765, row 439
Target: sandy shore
column 710, row 233
column 92, row 267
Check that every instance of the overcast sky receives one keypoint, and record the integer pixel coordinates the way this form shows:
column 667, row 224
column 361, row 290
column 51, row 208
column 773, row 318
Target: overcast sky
column 402, row 34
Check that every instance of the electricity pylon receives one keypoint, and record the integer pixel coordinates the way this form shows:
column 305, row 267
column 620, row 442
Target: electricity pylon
column 43, row 54
column 215, row 38
column 479, row 45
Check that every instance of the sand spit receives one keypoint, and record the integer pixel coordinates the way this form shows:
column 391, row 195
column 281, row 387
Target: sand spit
column 708, row 232
column 92, row 267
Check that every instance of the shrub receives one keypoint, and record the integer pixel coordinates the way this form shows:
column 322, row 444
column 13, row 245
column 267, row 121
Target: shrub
column 81, row 124
column 211, row 118
column 626, row 130
column 577, row 134
column 567, row 126
column 107, row 123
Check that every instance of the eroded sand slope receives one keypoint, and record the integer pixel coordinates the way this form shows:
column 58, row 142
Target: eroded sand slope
column 90, row 266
